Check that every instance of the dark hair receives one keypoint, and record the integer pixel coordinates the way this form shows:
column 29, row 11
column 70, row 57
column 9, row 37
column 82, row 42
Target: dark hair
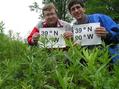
column 73, row 2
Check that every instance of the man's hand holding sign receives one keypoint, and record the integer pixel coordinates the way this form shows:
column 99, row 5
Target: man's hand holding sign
column 101, row 32
column 35, row 37
column 88, row 34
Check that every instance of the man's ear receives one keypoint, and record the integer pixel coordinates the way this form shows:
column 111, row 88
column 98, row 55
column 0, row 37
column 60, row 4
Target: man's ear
column 84, row 10
column 70, row 12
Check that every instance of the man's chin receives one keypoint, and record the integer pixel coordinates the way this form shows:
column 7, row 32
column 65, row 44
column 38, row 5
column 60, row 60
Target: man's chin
column 79, row 18
column 51, row 24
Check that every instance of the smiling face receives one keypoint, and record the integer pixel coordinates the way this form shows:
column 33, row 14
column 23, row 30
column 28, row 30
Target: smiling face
column 50, row 16
column 77, row 11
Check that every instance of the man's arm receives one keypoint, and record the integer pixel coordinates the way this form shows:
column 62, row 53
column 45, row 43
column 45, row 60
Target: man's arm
column 30, row 37
column 68, row 31
column 112, row 29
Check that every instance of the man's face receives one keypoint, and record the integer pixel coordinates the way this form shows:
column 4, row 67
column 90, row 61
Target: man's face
column 77, row 11
column 50, row 17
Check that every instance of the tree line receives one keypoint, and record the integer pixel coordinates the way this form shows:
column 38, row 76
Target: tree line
column 108, row 7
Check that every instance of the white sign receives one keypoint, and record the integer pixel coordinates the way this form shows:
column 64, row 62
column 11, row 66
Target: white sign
column 52, row 38
column 85, row 34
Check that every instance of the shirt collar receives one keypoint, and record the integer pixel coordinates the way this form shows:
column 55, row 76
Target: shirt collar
column 86, row 21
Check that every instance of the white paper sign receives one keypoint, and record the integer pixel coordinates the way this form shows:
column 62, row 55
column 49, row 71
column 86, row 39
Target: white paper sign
column 52, row 38
column 85, row 34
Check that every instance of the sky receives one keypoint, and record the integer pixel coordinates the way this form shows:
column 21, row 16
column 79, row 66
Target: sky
column 17, row 16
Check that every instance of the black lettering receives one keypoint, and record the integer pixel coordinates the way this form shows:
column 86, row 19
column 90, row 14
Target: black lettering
column 78, row 37
column 44, row 33
column 78, row 30
column 90, row 36
column 84, row 28
column 56, row 40
column 89, row 29
column 55, row 33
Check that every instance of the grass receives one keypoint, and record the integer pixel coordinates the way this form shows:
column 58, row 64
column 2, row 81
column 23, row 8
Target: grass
column 25, row 67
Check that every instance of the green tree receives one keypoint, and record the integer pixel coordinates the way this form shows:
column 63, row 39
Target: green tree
column 61, row 6
column 35, row 7
column 114, row 9
column 109, row 7
column 2, row 27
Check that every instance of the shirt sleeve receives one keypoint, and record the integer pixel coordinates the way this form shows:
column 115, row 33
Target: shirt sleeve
column 29, row 38
column 111, row 27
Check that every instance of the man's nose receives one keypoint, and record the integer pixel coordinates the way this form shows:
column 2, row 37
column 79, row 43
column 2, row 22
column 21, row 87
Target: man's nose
column 76, row 10
column 50, row 16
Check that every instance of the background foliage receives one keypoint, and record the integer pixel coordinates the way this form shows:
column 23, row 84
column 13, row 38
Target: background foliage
column 24, row 67
column 109, row 7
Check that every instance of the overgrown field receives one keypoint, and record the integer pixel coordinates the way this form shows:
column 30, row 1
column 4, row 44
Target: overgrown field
column 25, row 67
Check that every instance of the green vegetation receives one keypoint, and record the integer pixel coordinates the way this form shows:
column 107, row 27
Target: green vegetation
column 108, row 7
column 24, row 67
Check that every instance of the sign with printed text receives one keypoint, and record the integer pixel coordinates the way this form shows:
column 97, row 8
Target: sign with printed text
column 85, row 34
column 52, row 38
